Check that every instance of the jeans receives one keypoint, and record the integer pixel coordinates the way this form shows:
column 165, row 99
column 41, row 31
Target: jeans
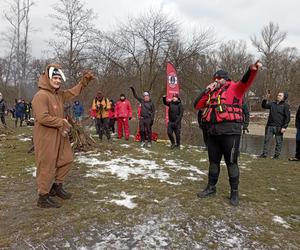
column 270, row 131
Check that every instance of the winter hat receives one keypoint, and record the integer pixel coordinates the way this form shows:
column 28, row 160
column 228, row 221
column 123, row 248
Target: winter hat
column 56, row 72
column 221, row 74
column 146, row 93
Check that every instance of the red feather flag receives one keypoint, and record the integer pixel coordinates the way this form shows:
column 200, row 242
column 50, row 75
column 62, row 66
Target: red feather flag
column 172, row 86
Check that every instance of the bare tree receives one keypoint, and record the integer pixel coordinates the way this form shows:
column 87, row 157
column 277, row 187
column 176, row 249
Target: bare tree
column 74, row 31
column 268, row 44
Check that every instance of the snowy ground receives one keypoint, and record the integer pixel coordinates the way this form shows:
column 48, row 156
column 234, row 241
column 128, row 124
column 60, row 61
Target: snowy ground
column 127, row 197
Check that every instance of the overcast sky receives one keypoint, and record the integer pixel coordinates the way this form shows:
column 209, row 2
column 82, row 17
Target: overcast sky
column 231, row 19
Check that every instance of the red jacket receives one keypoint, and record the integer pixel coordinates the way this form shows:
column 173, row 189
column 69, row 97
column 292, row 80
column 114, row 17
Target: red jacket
column 123, row 109
column 225, row 103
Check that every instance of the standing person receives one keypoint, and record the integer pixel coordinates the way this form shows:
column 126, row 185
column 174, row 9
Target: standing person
column 19, row 109
column 147, row 113
column 2, row 110
column 278, row 121
column 123, row 113
column 112, row 117
column 52, row 147
column 27, row 110
column 77, row 112
column 223, row 114
column 297, row 124
column 175, row 117
column 246, row 117
column 100, row 110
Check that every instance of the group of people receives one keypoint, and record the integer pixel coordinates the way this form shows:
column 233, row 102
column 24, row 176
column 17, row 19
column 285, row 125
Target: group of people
column 21, row 112
column 222, row 116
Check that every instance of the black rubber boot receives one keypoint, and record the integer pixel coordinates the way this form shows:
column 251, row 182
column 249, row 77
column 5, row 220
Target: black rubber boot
column 45, row 201
column 57, row 190
column 208, row 191
column 234, row 197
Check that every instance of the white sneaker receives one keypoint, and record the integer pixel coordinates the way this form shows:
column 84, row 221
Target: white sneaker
column 142, row 144
column 149, row 145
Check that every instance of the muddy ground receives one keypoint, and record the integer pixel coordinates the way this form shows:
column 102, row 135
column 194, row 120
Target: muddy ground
column 125, row 197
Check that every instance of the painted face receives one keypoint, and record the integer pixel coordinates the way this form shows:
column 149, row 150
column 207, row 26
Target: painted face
column 55, row 82
column 122, row 98
column 280, row 97
column 146, row 98
column 175, row 99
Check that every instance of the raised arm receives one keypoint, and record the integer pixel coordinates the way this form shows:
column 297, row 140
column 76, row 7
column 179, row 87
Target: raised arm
column 165, row 102
column 139, row 99
column 76, row 90
column 245, row 83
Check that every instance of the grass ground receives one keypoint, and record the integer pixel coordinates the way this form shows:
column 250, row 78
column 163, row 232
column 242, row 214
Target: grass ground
column 125, row 197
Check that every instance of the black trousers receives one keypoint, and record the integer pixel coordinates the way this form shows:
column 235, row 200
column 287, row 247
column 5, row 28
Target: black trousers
column 102, row 127
column 112, row 125
column 176, row 129
column 227, row 146
column 146, row 129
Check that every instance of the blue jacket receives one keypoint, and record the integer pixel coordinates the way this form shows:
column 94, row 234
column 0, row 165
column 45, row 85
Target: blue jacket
column 20, row 109
column 77, row 110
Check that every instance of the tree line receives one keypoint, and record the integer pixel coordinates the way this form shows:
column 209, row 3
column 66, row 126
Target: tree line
column 135, row 52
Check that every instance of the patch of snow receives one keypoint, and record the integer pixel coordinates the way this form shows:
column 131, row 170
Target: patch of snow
column 279, row 220
column 125, row 145
column 92, row 192
column 3, row 176
column 273, row 189
column 126, row 202
column 25, row 139
column 31, row 170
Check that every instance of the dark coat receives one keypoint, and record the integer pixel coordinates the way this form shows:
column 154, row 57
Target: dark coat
column 175, row 110
column 279, row 115
column 2, row 107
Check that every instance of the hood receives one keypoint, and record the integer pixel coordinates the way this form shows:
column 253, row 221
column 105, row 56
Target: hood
column 44, row 81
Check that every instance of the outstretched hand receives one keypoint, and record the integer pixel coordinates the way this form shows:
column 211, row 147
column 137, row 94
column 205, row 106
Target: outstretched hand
column 87, row 77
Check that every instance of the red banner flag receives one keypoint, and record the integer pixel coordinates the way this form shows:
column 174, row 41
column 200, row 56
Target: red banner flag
column 172, row 86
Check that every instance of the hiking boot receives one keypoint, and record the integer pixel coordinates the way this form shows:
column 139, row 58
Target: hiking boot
column 234, row 197
column 263, row 156
column 172, row 146
column 57, row 190
column 276, row 157
column 294, row 159
column 45, row 201
column 177, row 146
column 208, row 191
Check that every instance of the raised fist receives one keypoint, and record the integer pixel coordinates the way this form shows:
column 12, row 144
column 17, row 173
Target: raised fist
column 87, row 77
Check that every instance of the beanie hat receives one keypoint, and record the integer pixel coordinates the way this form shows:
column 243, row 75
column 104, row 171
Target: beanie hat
column 221, row 74
column 146, row 93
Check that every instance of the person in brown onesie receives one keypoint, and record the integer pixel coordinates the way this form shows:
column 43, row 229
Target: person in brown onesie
column 53, row 152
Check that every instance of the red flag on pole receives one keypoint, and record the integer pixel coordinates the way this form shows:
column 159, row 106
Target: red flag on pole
column 172, row 86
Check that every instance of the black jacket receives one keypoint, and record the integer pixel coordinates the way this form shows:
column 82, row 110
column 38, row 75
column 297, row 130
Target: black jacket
column 2, row 107
column 175, row 110
column 279, row 115
column 147, row 108
column 297, row 119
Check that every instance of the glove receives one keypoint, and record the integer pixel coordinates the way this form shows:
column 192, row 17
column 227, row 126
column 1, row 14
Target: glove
column 245, row 130
column 87, row 77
